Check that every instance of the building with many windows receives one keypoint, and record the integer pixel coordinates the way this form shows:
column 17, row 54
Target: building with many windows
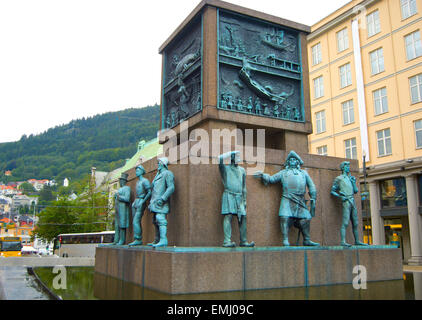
column 365, row 64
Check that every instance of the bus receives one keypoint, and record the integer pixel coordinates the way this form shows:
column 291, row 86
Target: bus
column 25, row 240
column 81, row 244
column 10, row 246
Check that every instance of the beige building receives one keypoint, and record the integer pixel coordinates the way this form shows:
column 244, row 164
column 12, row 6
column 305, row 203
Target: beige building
column 365, row 64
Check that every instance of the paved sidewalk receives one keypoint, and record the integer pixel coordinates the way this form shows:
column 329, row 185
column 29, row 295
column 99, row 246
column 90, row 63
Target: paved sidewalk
column 17, row 284
column 48, row 261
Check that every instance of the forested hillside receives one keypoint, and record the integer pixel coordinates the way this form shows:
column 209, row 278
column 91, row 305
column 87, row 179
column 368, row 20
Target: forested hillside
column 103, row 141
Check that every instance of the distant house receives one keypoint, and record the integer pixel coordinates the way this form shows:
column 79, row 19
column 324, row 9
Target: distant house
column 39, row 184
column 8, row 173
column 23, row 200
column 6, row 220
column 8, row 190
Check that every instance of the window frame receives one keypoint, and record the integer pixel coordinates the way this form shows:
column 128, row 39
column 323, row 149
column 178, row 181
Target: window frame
column 350, row 111
column 319, row 121
column 342, row 38
column 316, row 54
column 347, row 75
column 384, row 139
column 416, row 130
column 381, row 100
column 379, row 59
column 352, row 148
column 418, row 86
column 413, row 45
column 318, row 87
column 375, row 23
column 407, row 3
column 325, row 148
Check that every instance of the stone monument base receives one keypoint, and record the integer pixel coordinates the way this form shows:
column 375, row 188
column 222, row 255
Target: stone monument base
column 183, row 270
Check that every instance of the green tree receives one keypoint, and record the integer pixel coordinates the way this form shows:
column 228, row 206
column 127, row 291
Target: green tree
column 46, row 195
column 60, row 217
column 23, row 209
column 27, row 188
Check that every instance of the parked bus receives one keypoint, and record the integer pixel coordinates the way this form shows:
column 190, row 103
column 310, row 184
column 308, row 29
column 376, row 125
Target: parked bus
column 25, row 240
column 10, row 246
column 81, row 244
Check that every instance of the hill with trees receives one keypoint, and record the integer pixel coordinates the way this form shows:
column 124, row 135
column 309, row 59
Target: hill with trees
column 102, row 141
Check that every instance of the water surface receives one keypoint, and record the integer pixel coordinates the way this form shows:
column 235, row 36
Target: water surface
column 83, row 283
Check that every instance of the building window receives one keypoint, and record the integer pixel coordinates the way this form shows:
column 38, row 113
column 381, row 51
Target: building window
column 322, row 151
column 348, row 114
column 377, row 61
column 316, row 54
column 318, row 87
column 345, row 75
column 380, row 101
column 320, row 121
column 373, row 23
column 416, row 88
column 413, row 45
column 384, row 142
column 393, row 193
column 350, row 148
column 408, row 8
column 342, row 40
column 418, row 132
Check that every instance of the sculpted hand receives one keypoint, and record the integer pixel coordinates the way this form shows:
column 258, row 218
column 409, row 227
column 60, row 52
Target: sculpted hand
column 258, row 174
column 160, row 202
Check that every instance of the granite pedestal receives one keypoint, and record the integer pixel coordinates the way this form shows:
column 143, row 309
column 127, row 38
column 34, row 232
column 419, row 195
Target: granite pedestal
column 183, row 270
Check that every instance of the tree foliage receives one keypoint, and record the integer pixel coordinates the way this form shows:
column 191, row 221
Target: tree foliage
column 27, row 188
column 88, row 213
column 69, row 151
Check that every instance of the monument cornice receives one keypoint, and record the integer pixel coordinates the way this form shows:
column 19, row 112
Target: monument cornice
column 234, row 8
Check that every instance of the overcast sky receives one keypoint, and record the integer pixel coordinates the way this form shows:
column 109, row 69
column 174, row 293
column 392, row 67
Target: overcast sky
column 64, row 60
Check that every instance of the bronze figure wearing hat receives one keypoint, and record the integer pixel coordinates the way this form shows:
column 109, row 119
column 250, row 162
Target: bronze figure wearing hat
column 162, row 189
column 293, row 207
column 344, row 187
column 122, row 201
column 143, row 193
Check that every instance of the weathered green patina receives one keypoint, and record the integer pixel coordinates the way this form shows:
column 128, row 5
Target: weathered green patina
column 234, row 198
column 293, row 208
column 344, row 187
column 143, row 193
column 162, row 189
column 122, row 201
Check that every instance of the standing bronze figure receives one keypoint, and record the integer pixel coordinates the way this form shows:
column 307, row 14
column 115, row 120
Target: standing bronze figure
column 162, row 189
column 234, row 198
column 293, row 208
column 344, row 187
column 143, row 193
column 121, row 221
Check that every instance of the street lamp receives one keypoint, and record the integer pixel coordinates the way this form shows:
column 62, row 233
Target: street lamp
column 364, row 195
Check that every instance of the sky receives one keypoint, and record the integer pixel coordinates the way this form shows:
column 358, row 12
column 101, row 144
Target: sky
column 64, row 60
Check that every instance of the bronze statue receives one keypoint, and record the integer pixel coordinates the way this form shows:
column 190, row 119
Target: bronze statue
column 234, row 198
column 121, row 221
column 344, row 187
column 162, row 189
column 143, row 193
column 293, row 208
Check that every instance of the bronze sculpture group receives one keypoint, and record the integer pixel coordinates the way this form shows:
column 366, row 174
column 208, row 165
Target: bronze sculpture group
column 295, row 183
column 159, row 191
